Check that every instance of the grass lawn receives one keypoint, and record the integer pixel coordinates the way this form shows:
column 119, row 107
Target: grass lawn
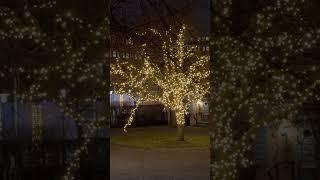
column 161, row 137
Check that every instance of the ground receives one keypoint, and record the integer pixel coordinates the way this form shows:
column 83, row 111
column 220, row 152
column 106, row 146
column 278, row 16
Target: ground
column 162, row 137
column 158, row 156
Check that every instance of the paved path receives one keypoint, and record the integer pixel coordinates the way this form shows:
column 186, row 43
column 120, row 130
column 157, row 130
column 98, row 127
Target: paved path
column 139, row 164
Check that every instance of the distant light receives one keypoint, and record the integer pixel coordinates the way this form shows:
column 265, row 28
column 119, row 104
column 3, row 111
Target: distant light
column 4, row 98
column 283, row 128
column 63, row 93
column 200, row 103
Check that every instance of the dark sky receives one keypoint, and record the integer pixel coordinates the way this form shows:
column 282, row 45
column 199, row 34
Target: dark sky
column 137, row 11
column 201, row 15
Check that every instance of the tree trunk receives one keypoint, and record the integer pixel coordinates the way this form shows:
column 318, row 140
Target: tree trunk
column 179, row 115
column 181, row 132
column 172, row 118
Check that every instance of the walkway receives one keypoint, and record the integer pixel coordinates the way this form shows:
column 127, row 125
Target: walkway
column 139, row 164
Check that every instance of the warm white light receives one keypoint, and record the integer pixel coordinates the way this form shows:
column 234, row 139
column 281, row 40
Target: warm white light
column 182, row 80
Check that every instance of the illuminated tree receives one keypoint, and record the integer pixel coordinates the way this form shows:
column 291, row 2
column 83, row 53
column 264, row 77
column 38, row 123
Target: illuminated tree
column 255, row 79
column 179, row 78
column 59, row 58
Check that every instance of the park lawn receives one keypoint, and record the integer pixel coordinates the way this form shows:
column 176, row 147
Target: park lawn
column 161, row 137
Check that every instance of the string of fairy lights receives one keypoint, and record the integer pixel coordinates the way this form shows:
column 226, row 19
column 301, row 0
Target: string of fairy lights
column 176, row 85
column 254, row 80
column 74, row 68
column 235, row 77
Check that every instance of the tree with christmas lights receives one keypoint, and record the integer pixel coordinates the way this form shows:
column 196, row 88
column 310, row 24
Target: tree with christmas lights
column 57, row 55
column 175, row 75
column 255, row 79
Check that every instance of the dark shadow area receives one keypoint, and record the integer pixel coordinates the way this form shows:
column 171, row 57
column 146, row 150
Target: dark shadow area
column 54, row 90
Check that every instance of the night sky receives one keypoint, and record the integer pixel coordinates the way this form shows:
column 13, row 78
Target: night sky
column 200, row 15
column 133, row 13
